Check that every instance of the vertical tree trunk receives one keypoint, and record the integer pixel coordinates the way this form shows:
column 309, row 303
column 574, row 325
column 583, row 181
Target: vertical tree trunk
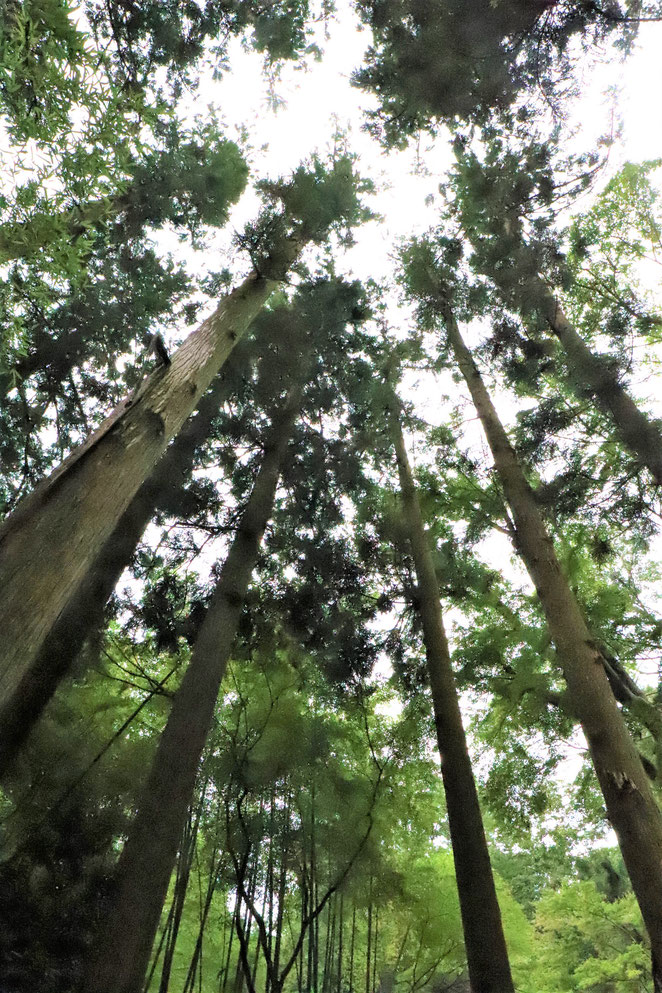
column 84, row 612
column 341, row 923
column 118, row 961
column 243, row 972
column 638, row 432
column 196, row 958
column 351, row 951
column 485, row 944
column 313, row 932
column 631, row 806
column 159, row 948
column 374, row 949
column 282, row 884
column 270, row 880
column 182, row 875
column 235, row 916
column 56, row 534
column 329, row 945
column 310, row 979
column 369, row 941
column 265, row 901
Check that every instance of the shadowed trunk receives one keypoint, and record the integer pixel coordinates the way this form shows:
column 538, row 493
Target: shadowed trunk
column 485, row 944
column 84, row 614
column 119, row 960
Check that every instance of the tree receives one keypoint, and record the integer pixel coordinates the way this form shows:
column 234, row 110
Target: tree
column 148, row 856
column 102, row 476
column 149, row 853
column 491, row 200
column 487, row 956
column 631, row 806
column 437, row 61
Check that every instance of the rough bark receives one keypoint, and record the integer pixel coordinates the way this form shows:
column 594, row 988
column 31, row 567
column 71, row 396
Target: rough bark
column 54, row 537
column 485, row 944
column 639, row 433
column 631, row 806
column 84, row 612
column 118, row 961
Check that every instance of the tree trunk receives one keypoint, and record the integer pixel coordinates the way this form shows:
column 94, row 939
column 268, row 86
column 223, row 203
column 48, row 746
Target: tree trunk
column 487, row 955
column 341, row 925
column 375, row 946
column 631, row 807
column 182, row 875
column 118, row 962
column 53, row 538
column 640, row 435
column 84, row 612
column 228, row 959
column 214, row 872
column 351, row 950
column 282, row 885
column 244, row 973
column 368, row 959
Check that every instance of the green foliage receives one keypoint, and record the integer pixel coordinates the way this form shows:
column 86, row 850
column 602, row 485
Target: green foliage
column 44, row 59
column 437, row 61
column 316, row 199
column 612, row 247
column 319, row 778
column 176, row 34
column 588, row 943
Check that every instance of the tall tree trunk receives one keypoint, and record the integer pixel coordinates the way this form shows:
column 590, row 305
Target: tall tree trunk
column 310, row 987
column 351, row 950
column 341, row 924
column 313, row 930
column 165, row 936
column 214, row 871
column 631, row 807
column 375, row 945
column 270, row 881
column 368, row 959
column 84, row 612
column 118, row 961
column 638, row 432
column 56, row 534
column 329, row 945
column 182, row 875
column 485, row 944
column 228, row 958
column 244, row 973
column 282, row 885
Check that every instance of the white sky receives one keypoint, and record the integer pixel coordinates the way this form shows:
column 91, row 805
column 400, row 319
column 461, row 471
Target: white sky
column 320, row 99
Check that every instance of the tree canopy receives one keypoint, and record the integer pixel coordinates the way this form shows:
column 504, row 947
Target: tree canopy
column 330, row 655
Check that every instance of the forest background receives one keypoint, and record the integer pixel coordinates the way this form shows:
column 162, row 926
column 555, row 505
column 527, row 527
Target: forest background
column 225, row 683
